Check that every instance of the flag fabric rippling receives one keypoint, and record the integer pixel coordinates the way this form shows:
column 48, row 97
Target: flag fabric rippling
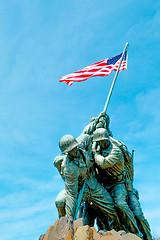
column 102, row 68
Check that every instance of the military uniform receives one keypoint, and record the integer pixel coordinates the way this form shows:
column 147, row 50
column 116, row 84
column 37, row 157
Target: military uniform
column 110, row 164
column 84, row 142
column 133, row 201
column 61, row 197
column 78, row 169
column 133, row 196
column 60, row 203
column 127, row 175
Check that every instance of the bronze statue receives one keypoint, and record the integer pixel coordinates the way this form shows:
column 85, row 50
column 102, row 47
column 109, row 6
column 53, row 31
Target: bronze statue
column 98, row 174
column 110, row 163
column 78, row 169
column 100, row 169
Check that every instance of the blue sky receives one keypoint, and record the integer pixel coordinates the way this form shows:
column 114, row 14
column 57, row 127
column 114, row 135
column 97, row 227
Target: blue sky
column 42, row 40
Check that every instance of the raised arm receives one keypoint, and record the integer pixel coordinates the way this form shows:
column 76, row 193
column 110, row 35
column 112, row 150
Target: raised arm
column 108, row 161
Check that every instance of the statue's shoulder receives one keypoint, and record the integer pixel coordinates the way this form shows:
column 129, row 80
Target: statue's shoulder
column 116, row 142
column 69, row 167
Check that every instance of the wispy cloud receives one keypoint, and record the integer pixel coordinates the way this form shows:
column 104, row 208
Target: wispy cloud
column 146, row 125
column 28, row 198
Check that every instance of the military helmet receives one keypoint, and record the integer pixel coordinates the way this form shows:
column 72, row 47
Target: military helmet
column 100, row 134
column 67, row 143
column 57, row 160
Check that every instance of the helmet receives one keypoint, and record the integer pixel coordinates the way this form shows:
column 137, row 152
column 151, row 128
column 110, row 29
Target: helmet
column 84, row 139
column 57, row 160
column 67, row 143
column 100, row 134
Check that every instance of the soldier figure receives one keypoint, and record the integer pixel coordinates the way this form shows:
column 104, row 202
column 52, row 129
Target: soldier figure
column 133, row 196
column 110, row 164
column 115, row 168
column 78, row 168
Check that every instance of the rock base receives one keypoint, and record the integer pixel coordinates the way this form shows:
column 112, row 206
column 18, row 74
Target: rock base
column 64, row 229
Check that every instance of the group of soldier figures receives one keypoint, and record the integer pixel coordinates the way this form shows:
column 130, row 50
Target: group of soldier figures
column 98, row 175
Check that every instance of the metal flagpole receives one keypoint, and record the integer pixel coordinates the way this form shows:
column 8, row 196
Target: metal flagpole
column 79, row 199
column 104, row 110
column 114, row 80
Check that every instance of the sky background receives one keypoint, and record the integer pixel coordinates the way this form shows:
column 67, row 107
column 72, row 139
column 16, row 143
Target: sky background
column 42, row 40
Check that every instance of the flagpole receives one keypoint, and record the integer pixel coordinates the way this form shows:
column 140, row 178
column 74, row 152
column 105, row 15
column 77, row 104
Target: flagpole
column 114, row 80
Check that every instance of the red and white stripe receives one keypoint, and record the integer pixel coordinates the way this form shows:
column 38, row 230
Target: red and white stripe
column 97, row 69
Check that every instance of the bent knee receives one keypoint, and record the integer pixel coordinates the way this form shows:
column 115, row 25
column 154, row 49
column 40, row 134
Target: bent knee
column 59, row 203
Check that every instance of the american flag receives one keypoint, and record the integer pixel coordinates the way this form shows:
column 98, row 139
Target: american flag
column 102, row 68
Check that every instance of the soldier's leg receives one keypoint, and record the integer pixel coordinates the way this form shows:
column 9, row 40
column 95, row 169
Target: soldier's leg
column 119, row 195
column 133, row 201
column 103, row 202
column 60, row 203
column 80, row 211
column 103, row 222
column 89, row 214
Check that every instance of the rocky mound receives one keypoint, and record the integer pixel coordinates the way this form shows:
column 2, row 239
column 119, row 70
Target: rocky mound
column 64, row 229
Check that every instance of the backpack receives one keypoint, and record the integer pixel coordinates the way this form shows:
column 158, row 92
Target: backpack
column 128, row 161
